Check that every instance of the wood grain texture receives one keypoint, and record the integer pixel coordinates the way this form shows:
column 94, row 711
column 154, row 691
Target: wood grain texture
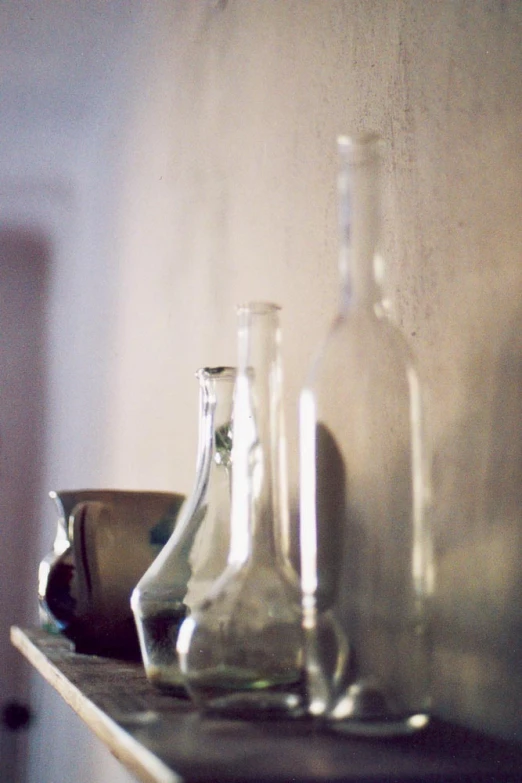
column 85, row 688
column 161, row 739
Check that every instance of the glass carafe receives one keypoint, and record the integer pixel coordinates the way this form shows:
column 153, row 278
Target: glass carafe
column 241, row 649
column 197, row 551
column 365, row 539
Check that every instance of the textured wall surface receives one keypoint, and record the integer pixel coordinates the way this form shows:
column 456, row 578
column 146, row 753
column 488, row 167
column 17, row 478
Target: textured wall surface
column 229, row 195
column 195, row 168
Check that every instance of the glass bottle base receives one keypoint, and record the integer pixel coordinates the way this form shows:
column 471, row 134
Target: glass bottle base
column 158, row 632
column 368, row 709
column 240, row 696
column 166, row 678
column 392, row 727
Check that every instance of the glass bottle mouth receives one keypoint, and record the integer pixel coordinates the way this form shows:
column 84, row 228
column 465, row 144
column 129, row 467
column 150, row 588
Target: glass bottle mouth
column 216, row 372
column 258, row 308
column 360, row 148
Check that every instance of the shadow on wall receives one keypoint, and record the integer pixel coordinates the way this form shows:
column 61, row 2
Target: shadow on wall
column 478, row 625
column 24, row 263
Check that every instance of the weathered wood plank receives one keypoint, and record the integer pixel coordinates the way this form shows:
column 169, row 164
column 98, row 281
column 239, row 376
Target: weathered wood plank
column 162, row 739
column 40, row 649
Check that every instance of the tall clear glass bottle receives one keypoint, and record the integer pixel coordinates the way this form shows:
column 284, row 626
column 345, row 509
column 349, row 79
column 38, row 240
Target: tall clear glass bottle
column 241, row 649
column 196, row 553
column 365, row 539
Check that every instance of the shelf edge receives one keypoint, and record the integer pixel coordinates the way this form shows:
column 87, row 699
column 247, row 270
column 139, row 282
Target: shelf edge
column 138, row 760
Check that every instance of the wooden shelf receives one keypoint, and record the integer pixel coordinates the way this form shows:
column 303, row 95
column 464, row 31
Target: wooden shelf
column 162, row 739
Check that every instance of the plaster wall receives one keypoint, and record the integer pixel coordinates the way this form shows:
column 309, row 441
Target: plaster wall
column 229, row 195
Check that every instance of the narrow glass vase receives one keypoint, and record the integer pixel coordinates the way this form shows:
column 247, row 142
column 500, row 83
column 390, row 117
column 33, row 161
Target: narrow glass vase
column 366, row 560
column 196, row 553
column 241, row 649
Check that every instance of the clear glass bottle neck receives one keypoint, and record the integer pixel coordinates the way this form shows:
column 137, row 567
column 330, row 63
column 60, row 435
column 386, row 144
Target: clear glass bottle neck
column 215, row 410
column 259, row 489
column 359, row 190
column 216, row 385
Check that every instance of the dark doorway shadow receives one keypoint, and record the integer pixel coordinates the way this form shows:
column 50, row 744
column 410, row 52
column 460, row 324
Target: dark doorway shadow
column 25, row 255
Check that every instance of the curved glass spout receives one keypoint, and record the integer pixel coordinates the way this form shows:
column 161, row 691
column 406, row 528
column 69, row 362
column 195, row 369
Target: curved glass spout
column 196, row 553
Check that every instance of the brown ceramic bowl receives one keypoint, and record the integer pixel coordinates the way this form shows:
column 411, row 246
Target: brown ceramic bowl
column 106, row 540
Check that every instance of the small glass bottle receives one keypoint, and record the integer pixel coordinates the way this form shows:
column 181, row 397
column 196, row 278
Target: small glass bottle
column 366, row 565
column 196, row 553
column 241, row 649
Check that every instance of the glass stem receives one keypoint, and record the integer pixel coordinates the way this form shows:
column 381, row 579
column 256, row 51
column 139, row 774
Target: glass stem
column 359, row 220
column 258, row 487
